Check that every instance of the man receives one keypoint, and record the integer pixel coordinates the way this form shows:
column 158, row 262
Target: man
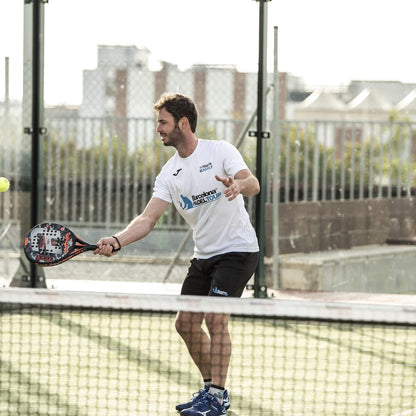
column 206, row 181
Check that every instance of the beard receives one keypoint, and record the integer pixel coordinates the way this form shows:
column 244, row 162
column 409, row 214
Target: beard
column 174, row 138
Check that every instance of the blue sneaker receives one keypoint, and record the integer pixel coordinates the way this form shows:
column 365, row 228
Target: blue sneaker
column 208, row 406
column 226, row 400
column 197, row 397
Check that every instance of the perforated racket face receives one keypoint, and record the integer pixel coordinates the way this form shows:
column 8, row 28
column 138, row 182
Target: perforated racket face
column 49, row 243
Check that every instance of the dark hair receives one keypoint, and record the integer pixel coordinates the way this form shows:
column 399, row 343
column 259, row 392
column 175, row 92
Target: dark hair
column 179, row 106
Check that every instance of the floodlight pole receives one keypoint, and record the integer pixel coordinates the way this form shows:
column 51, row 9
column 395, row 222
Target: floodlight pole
column 260, row 287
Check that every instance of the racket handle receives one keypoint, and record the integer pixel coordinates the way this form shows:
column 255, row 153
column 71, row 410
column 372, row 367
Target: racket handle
column 94, row 247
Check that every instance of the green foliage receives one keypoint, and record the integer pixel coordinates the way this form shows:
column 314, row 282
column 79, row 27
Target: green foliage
column 354, row 156
column 354, row 160
column 106, row 156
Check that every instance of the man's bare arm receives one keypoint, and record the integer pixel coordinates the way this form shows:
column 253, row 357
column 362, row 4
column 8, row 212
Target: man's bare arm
column 137, row 229
column 244, row 183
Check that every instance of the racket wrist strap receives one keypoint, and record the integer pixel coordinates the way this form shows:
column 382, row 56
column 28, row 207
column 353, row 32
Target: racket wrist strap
column 118, row 242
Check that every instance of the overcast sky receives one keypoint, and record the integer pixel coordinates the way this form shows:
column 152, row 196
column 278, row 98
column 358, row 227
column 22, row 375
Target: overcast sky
column 327, row 42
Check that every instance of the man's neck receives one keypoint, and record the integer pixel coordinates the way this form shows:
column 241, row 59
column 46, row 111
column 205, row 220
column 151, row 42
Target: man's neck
column 188, row 146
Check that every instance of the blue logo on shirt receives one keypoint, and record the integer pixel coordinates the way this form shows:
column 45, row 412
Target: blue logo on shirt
column 206, row 167
column 197, row 200
column 186, row 203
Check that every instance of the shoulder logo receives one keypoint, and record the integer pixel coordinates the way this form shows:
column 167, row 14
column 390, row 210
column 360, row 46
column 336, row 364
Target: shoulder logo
column 206, row 167
column 177, row 172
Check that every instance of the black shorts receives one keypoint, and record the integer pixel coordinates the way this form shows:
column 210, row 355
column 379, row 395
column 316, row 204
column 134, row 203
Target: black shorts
column 223, row 275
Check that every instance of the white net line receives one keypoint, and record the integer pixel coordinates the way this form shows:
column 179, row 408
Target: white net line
column 297, row 309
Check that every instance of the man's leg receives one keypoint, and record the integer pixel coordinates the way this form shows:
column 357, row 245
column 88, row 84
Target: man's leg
column 216, row 400
column 217, row 325
column 189, row 327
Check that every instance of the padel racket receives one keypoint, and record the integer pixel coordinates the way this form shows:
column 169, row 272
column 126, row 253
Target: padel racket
column 49, row 244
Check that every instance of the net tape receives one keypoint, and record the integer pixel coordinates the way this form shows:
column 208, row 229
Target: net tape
column 288, row 308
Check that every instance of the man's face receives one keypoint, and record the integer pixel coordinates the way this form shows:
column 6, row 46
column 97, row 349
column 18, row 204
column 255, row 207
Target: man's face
column 169, row 131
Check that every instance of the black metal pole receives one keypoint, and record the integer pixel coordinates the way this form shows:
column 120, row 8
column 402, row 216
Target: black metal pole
column 36, row 99
column 260, row 289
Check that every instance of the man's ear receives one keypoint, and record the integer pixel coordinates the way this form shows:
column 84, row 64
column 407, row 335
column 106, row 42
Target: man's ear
column 183, row 122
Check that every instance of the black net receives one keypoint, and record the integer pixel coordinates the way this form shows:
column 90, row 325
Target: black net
column 67, row 353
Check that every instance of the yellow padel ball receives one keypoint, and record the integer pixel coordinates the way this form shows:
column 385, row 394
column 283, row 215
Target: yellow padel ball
column 4, row 184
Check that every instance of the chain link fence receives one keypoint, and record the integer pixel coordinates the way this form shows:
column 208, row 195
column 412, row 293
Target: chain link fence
column 100, row 157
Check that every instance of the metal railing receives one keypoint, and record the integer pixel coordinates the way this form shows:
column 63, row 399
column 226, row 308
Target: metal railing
column 100, row 171
column 328, row 160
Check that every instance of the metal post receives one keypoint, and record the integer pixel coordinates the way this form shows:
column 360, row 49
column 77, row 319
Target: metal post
column 260, row 288
column 6, row 164
column 30, row 195
column 35, row 123
column 276, row 164
column 37, row 278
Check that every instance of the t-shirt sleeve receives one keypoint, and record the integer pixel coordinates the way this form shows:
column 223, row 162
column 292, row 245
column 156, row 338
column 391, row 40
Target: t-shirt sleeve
column 161, row 189
column 233, row 161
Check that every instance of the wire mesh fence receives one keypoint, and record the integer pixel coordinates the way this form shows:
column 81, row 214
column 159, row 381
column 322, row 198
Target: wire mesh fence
column 101, row 155
column 92, row 175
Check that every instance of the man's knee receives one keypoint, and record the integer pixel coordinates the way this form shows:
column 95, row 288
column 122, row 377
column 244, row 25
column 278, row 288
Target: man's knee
column 217, row 322
column 187, row 322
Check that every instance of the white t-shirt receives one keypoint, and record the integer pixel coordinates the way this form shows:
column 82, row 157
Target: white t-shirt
column 219, row 225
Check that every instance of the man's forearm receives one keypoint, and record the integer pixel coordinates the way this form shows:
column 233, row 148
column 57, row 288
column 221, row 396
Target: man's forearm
column 137, row 229
column 248, row 186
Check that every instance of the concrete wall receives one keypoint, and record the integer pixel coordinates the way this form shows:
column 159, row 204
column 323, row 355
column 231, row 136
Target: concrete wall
column 340, row 246
column 320, row 226
column 369, row 269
